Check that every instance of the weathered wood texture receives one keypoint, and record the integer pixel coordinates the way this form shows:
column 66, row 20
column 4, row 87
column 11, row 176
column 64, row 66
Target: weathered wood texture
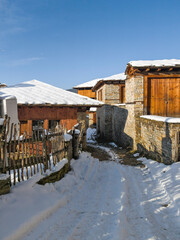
column 65, row 115
column 87, row 92
column 162, row 96
column 122, row 93
column 23, row 156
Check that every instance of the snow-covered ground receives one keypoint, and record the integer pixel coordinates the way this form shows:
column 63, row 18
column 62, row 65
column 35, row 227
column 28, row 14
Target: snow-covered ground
column 96, row 200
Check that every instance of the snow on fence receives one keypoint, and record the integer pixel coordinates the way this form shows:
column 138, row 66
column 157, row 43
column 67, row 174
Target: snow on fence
column 25, row 155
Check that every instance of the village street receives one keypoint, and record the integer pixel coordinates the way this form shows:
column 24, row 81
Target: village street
column 106, row 200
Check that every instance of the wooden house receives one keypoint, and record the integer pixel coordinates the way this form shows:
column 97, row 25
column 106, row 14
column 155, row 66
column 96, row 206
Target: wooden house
column 161, row 85
column 111, row 90
column 85, row 89
column 43, row 105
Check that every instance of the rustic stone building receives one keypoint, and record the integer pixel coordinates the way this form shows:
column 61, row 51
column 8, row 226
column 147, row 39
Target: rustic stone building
column 111, row 90
column 152, row 89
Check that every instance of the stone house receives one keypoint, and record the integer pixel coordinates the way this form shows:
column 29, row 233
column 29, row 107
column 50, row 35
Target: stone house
column 150, row 119
column 111, row 90
column 44, row 106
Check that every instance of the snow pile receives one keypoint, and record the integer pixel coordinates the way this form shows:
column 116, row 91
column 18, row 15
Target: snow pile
column 56, row 168
column 113, row 144
column 91, row 135
column 162, row 119
column 96, row 200
column 67, row 137
column 155, row 63
column 93, row 109
column 36, row 92
column 136, row 155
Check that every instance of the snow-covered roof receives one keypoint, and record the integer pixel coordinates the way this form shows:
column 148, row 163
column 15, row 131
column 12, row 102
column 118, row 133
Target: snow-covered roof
column 91, row 84
column 88, row 84
column 116, row 77
column 120, row 76
column 156, row 63
column 35, row 92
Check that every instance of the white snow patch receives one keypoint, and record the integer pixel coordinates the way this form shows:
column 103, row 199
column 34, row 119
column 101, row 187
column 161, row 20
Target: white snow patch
column 155, row 63
column 67, row 137
column 77, row 131
column 113, row 144
column 136, row 154
column 93, row 109
column 91, row 135
column 162, row 119
column 4, row 176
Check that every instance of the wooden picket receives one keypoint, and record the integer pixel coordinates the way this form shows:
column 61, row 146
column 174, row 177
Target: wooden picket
column 23, row 156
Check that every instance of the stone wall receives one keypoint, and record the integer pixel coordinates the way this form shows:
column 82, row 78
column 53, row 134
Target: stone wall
column 157, row 139
column 112, row 94
column 104, row 122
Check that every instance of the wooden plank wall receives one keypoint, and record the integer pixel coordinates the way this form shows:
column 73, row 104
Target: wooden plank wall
column 87, row 92
column 162, row 96
column 65, row 115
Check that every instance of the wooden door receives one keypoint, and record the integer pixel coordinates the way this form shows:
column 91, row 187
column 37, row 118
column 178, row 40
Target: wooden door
column 163, row 96
column 122, row 93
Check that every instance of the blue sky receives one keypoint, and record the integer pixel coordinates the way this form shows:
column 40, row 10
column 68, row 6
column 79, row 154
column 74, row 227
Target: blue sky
column 68, row 42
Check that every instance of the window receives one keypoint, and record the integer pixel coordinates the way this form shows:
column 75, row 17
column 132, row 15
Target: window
column 122, row 93
column 53, row 124
column 37, row 127
column 100, row 95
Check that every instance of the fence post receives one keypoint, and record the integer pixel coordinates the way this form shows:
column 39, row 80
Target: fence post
column 75, row 143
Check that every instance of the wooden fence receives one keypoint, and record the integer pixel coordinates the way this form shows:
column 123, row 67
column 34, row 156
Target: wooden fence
column 25, row 155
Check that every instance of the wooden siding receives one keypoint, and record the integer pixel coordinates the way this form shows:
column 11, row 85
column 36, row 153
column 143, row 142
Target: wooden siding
column 65, row 115
column 87, row 92
column 162, row 96
column 100, row 98
column 122, row 93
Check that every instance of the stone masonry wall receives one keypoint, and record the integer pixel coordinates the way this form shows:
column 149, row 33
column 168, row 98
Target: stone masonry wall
column 134, row 93
column 112, row 94
column 158, row 139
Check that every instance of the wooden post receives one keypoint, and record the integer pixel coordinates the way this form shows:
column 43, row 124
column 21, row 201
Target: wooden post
column 33, row 153
column 22, row 161
column 26, row 162
column 18, row 152
column 29, row 150
column 14, row 150
column 48, row 151
column 37, row 162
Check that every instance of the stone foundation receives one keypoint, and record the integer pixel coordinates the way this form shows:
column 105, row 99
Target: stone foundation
column 56, row 176
column 4, row 184
column 158, row 140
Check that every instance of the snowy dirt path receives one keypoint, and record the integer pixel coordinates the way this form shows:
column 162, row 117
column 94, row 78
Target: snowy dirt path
column 107, row 200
